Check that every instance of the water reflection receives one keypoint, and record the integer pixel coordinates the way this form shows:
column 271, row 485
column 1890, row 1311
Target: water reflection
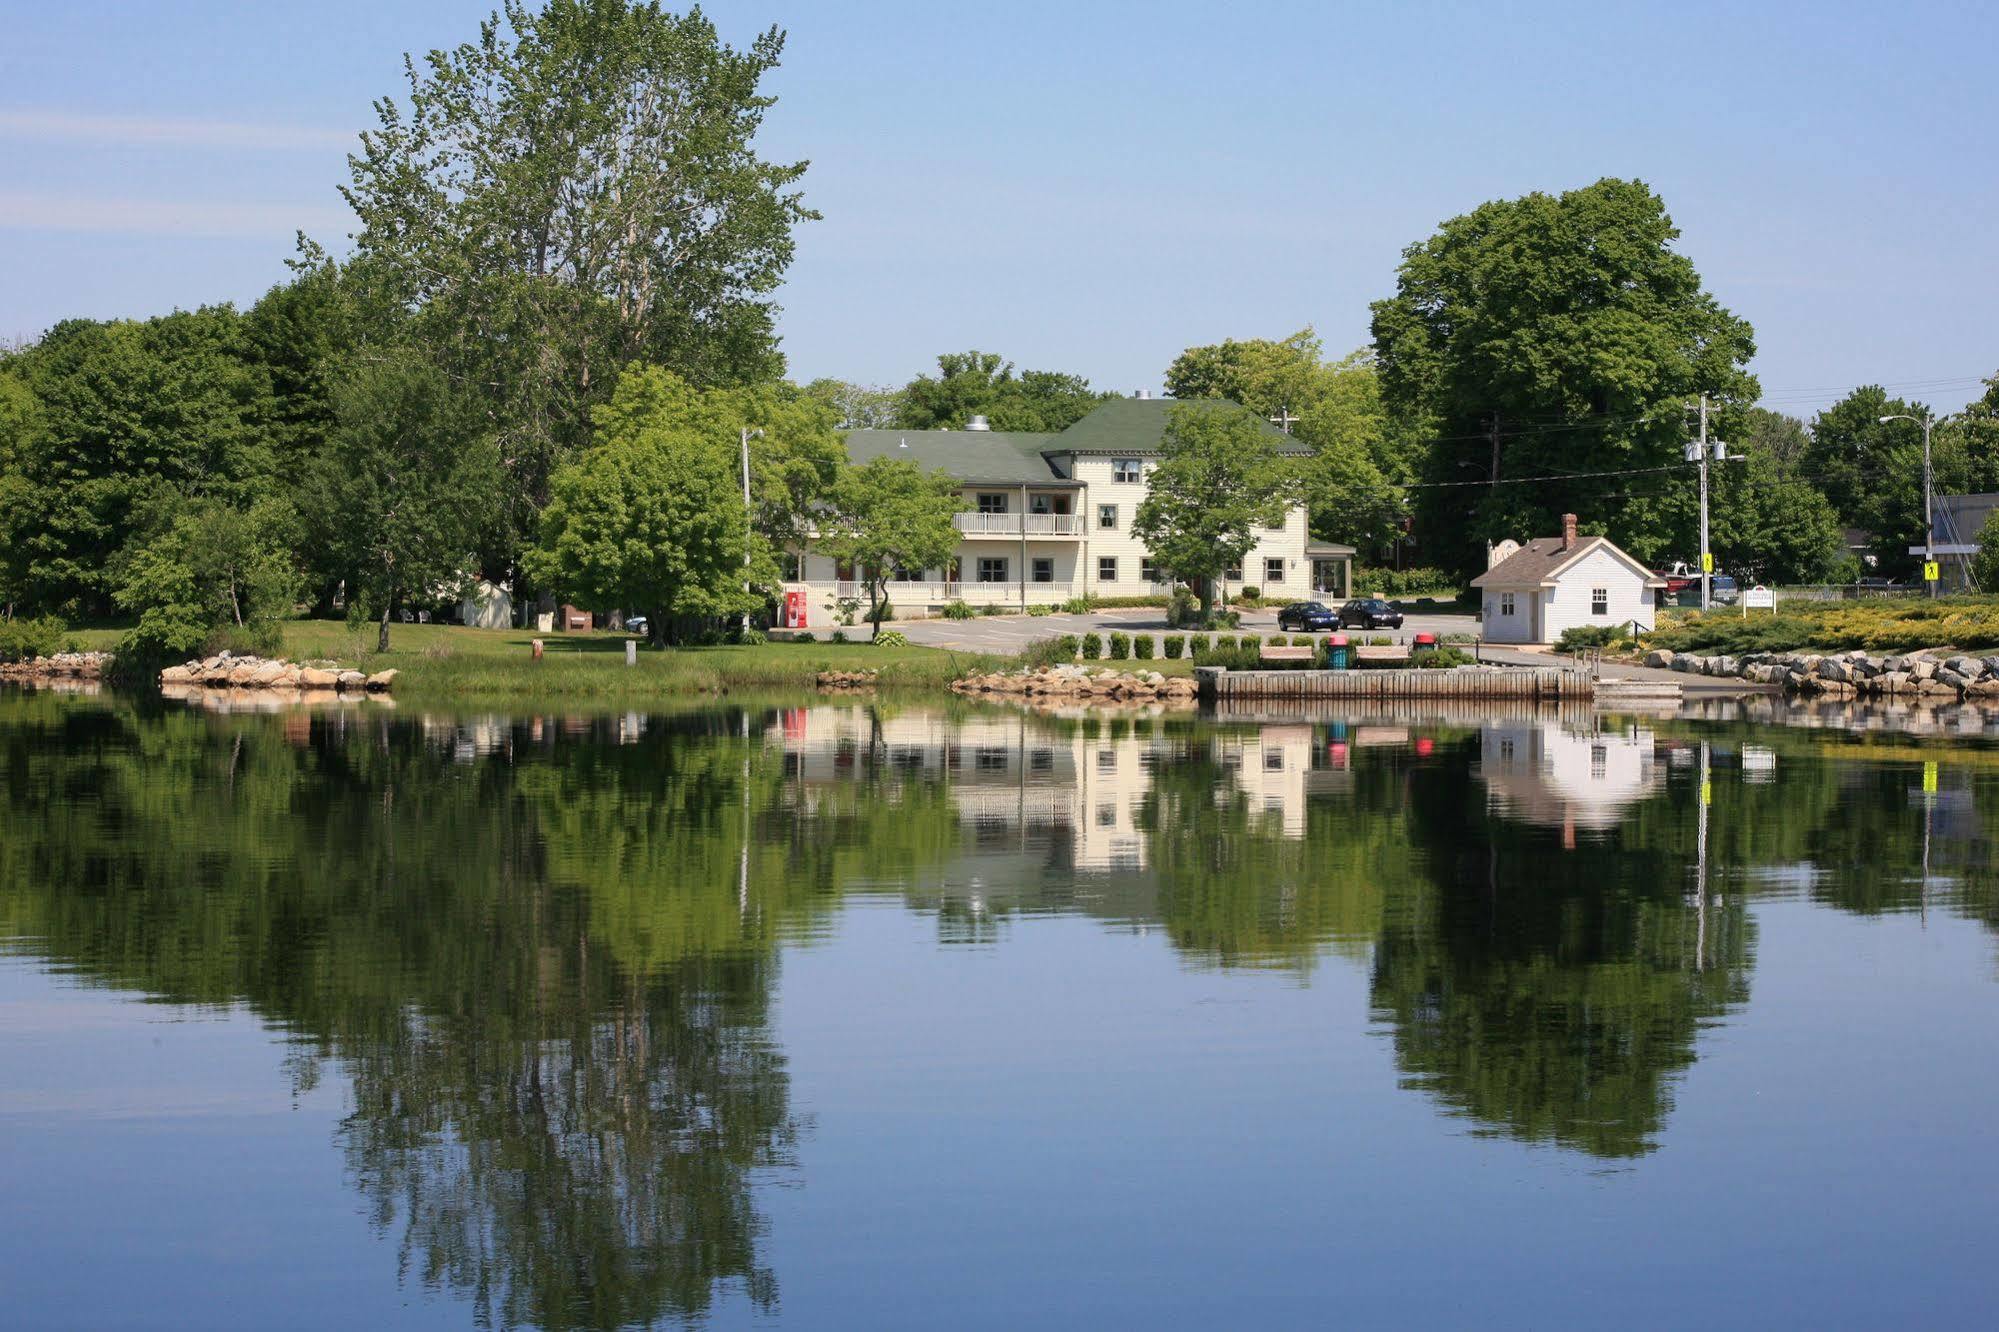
column 543, row 950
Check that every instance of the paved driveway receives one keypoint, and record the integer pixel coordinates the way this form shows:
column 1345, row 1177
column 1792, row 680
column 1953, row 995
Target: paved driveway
column 1011, row 633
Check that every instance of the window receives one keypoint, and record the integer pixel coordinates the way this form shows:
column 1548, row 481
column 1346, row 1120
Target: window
column 992, row 568
column 1599, row 601
column 1106, row 760
column 992, row 501
column 1106, row 568
column 1107, row 516
column 1124, row 469
column 1107, row 816
column 1273, row 760
column 791, row 566
column 1233, row 573
column 1044, row 571
column 1273, row 570
column 1148, row 570
column 1506, row 603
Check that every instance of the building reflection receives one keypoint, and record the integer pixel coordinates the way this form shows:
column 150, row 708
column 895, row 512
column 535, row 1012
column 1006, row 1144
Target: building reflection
column 1567, row 773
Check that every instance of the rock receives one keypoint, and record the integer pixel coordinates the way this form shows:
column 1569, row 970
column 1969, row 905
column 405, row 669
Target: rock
column 311, row 677
column 1971, row 668
column 1687, row 664
column 178, row 675
column 1922, row 668
column 266, row 674
column 381, row 682
column 1835, row 670
column 1659, row 659
column 239, row 677
column 350, row 680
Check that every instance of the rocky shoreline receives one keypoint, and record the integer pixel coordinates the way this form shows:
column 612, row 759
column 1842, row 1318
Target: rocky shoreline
column 227, row 671
column 1080, row 684
column 1938, row 673
column 62, row 666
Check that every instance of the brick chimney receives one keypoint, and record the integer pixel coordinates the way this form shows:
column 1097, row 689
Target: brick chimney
column 1568, row 531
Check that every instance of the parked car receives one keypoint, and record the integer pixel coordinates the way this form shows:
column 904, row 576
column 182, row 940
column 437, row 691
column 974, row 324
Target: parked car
column 1370, row 613
column 637, row 624
column 1308, row 615
column 1723, row 590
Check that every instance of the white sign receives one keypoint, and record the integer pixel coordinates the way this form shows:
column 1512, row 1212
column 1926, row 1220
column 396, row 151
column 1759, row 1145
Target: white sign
column 1759, row 598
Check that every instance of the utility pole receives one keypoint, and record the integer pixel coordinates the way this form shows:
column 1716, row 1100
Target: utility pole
column 1707, row 560
column 1493, row 435
column 748, row 434
column 1928, row 422
column 1284, row 420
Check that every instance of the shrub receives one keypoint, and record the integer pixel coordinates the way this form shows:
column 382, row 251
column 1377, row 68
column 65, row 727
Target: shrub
column 1049, row 651
column 991, row 608
column 1442, row 659
column 1079, row 605
column 1277, row 640
column 1196, row 644
column 958, row 610
column 1093, row 647
column 1405, row 583
column 1250, row 592
column 1182, row 609
column 24, row 640
column 891, row 638
column 753, row 637
column 839, row 636
column 1120, row 646
column 1580, row 636
column 1175, row 645
column 1224, row 642
column 1041, row 610
column 1243, row 659
column 260, row 638
column 1250, row 641
column 1141, row 647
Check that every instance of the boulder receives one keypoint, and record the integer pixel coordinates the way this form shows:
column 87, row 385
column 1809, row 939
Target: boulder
column 1971, row 668
column 381, row 682
column 179, row 675
column 350, row 680
column 240, row 677
column 1922, row 668
column 312, row 677
column 1687, row 664
column 1659, row 659
column 1835, row 670
column 266, row 674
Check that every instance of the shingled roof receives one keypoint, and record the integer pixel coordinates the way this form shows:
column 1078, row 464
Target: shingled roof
column 1126, row 426
column 1537, row 562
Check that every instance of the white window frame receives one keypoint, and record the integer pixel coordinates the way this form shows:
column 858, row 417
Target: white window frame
column 992, row 501
column 989, row 565
column 1106, row 562
column 1506, row 603
column 1273, row 569
column 1127, row 471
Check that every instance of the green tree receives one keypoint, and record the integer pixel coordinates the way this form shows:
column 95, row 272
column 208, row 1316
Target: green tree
column 576, row 190
column 1872, row 470
column 211, row 566
column 1573, row 323
column 1222, row 474
column 1769, row 525
column 651, row 517
column 977, row 383
column 1985, row 564
column 407, row 481
column 891, row 515
column 857, row 406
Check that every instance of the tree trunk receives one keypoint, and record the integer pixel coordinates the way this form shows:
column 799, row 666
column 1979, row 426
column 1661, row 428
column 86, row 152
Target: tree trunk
column 382, row 638
column 879, row 592
column 656, row 629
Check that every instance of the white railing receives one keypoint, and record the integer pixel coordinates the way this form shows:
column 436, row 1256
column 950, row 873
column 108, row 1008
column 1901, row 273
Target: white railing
column 1020, row 524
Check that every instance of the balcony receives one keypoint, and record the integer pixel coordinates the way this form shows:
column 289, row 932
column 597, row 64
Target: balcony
column 1020, row 524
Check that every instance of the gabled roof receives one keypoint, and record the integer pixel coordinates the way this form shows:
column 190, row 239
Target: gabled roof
column 1001, row 457
column 1538, row 563
column 1138, row 425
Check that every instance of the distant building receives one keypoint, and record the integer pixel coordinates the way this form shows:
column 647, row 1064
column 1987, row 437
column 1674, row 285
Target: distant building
column 1533, row 592
column 1958, row 521
column 1050, row 518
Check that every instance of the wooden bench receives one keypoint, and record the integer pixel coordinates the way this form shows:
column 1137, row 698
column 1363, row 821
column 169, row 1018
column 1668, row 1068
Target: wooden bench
column 1397, row 655
column 1268, row 653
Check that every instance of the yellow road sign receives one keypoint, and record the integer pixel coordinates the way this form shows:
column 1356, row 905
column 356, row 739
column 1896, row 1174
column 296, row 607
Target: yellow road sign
column 1932, row 571
column 1707, row 561
column 1929, row 779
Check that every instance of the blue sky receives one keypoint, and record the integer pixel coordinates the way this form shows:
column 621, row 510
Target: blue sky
column 1092, row 187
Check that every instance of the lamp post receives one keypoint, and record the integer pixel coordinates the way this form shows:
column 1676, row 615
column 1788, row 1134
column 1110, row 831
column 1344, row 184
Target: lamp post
column 749, row 434
column 1928, row 422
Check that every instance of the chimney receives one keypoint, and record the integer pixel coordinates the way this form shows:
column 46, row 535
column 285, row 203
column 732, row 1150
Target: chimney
column 1568, row 531
column 1142, row 394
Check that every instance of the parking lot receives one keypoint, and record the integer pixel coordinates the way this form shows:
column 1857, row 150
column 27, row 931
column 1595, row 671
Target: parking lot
column 1008, row 634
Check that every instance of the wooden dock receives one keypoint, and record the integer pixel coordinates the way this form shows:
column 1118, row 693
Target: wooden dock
column 1540, row 683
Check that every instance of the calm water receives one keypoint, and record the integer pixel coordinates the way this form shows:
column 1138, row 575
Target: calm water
column 845, row 1016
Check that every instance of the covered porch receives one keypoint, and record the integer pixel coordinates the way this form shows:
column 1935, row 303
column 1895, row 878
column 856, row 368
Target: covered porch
column 1332, row 568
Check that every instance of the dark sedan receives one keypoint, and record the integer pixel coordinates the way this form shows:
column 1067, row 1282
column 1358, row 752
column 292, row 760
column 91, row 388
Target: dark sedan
column 1370, row 613
column 1308, row 615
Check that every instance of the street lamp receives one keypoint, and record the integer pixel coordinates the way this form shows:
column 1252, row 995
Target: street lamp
column 1927, row 421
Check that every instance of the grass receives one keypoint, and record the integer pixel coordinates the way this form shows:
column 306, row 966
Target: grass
column 1899, row 625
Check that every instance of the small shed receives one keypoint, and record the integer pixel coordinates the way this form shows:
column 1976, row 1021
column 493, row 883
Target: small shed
column 1534, row 591
column 486, row 606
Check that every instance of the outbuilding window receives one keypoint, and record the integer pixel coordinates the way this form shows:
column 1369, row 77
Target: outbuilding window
column 1599, row 601
column 1506, row 603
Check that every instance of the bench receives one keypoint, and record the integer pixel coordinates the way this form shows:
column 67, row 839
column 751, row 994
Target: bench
column 1381, row 656
column 1268, row 653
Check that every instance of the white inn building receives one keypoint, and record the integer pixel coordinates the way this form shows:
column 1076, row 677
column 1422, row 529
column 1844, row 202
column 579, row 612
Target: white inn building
column 1049, row 518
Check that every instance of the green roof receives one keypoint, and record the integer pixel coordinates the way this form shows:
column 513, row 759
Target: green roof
column 970, row 455
column 1120, row 426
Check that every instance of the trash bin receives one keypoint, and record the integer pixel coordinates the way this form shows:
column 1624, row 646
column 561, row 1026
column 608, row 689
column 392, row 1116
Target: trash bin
column 1422, row 644
column 1336, row 653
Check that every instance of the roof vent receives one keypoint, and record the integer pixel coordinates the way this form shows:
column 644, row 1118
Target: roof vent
column 902, row 443
column 978, row 423
column 1142, row 394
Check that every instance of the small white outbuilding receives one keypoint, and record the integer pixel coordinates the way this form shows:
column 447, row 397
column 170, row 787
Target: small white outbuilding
column 1532, row 592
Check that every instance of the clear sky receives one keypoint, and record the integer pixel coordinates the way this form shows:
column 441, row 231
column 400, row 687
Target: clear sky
column 1092, row 187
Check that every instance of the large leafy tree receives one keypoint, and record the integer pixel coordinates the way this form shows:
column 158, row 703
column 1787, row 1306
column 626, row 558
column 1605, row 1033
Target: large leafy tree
column 1871, row 470
column 210, row 565
column 406, row 483
column 575, row 190
column 1573, row 325
column 651, row 517
column 1221, row 475
column 977, row 383
column 890, row 515
column 857, row 406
